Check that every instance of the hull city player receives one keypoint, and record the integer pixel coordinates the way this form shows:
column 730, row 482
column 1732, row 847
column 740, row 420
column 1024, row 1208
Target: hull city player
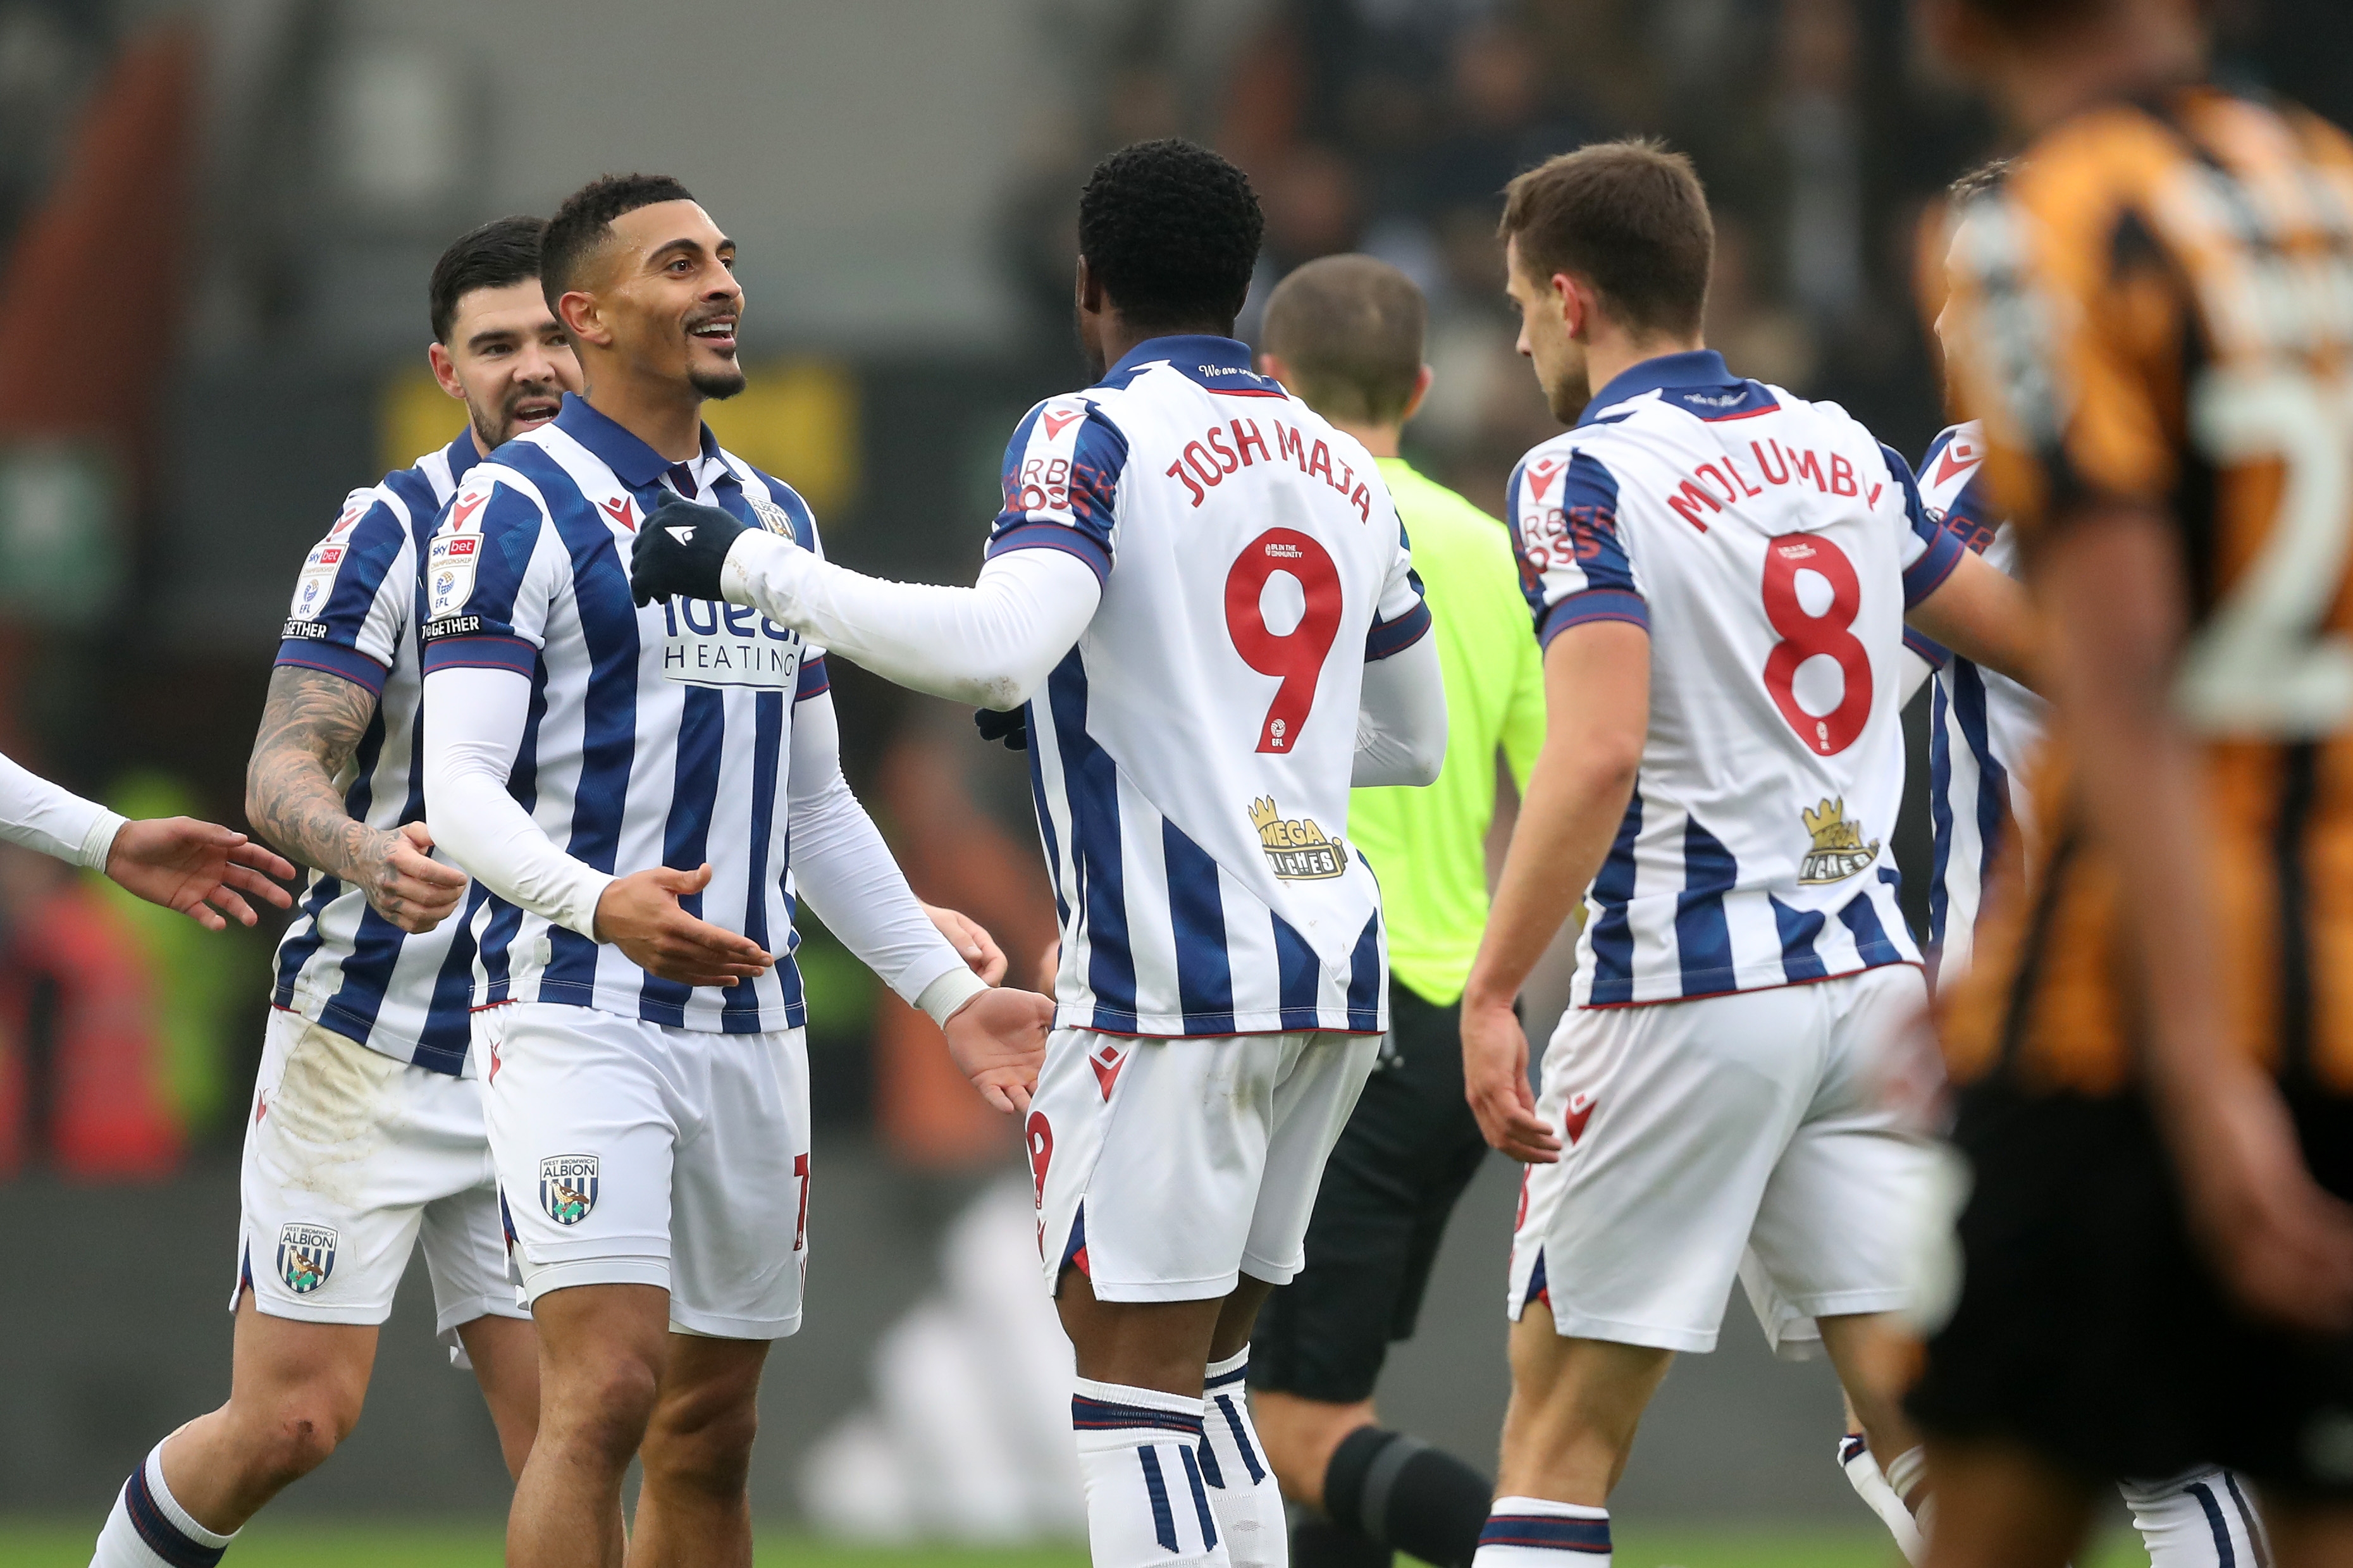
column 2153, row 1042
column 614, row 774
column 195, row 868
column 1345, row 335
column 367, row 1045
column 1199, row 590
column 1720, row 573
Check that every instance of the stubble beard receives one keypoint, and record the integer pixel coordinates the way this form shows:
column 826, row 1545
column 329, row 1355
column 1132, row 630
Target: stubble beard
column 717, row 386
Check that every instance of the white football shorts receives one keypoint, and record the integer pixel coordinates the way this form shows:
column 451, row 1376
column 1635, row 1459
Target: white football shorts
column 633, row 1153
column 351, row 1159
column 1757, row 1123
column 1166, row 1169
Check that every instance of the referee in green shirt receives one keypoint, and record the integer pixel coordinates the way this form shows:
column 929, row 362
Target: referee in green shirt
column 1345, row 334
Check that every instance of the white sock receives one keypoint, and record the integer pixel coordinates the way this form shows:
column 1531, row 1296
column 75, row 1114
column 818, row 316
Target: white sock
column 1147, row 1500
column 2202, row 1518
column 149, row 1529
column 1537, row 1532
column 1862, row 1474
column 1242, row 1491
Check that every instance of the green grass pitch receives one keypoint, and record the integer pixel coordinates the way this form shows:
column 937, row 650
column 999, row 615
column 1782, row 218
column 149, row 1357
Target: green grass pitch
column 289, row 1541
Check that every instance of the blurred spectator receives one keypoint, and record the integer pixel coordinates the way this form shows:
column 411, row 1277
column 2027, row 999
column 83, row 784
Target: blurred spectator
column 84, row 1082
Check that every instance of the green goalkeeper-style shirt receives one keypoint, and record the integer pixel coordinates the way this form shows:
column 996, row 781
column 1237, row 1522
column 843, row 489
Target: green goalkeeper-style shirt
column 1429, row 845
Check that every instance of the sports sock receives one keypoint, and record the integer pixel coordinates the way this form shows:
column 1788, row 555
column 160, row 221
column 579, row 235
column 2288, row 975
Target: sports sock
column 2202, row 1518
column 1862, row 1474
column 1537, row 1532
column 149, row 1529
column 1242, row 1491
column 1147, row 1500
column 1399, row 1491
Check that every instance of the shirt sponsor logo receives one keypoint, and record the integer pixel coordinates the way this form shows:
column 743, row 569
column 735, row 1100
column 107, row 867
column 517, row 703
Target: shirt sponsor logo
column 306, row 1255
column 1295, row 846
column 568, row 1187
column 709, row 643
column 1838, row 851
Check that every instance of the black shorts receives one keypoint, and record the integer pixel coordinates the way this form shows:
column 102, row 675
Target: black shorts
column 1410, row 1149
column 2089, row 1329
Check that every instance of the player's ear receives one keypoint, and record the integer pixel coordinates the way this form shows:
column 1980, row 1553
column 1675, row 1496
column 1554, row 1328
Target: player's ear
column 1090, row 290
column 1273, row 366
column 582, row 320
column 1422, row 381
column 445, row 370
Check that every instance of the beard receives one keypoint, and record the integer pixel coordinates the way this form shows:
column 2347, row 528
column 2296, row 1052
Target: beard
column 497, row 427
column 717, row 384
column 1570, row 393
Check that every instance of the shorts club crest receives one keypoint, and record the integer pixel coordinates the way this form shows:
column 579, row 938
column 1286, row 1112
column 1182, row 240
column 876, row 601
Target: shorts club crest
column 306, row 1255
column 568, row 1187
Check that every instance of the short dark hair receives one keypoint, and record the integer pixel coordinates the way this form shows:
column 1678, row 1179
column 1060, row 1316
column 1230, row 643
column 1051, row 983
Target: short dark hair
column 2029, row 18
column 1349, row 330
column 1629, row 217
column 584, row 221
column 503, row 251
column 1171, row 232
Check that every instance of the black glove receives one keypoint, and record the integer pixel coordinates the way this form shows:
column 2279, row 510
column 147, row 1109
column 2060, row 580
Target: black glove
column 680, row 551
column 1013, row 728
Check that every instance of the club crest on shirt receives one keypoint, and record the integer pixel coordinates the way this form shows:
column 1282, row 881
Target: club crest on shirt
column 306, row 1255
column 1838, row 851
column 773, row 518
column 568, row 1187
column 1295, row 847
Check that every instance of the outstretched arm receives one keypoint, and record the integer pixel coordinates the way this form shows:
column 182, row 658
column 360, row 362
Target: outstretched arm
column 843, row 869
column 1981, row 613
column 311, row 722
column 990, row 645
column 192, row 867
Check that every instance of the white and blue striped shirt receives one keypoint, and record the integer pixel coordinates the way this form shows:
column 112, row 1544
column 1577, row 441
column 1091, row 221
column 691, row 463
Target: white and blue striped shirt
column 1982, row 725
column 1771, row 547
column 341, row 964
column 656, row 737
column 1190, row 756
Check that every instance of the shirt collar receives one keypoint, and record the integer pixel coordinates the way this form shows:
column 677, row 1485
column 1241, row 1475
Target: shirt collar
column 633, row 462
column 1693, row 367
column 1185, row 348
column 462, row 455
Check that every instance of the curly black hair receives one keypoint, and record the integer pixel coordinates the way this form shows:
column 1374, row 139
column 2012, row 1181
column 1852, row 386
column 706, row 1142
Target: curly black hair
column 1171, row 231
column 503, row 251
column 584, row 221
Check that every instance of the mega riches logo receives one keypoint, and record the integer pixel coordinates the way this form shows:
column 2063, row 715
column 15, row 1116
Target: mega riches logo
column 1295, row 847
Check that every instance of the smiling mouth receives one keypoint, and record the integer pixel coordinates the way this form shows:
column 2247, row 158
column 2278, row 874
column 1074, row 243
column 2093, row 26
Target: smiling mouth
column 536, row 410
column 719, row 332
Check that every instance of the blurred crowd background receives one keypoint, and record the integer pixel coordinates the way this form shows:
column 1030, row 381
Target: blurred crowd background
column 216, row 218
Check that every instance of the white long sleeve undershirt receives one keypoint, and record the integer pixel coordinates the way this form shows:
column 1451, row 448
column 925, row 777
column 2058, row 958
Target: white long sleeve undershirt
column 1402, row 719
column 993, row 644
column 40, row 815
column 474, row 722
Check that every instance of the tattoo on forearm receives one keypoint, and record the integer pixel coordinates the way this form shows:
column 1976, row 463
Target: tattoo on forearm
column 310, row 724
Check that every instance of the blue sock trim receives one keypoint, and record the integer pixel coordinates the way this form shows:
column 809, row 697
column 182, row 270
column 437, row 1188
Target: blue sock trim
column 1090, row 1415
column 2247, row 1516
column 163, row 1538
column 1241, row 1439
column 1547, row 1532
column 1200, row 1500
column 1164, row 1519
column 1210, row 1468
column 2223, row 1556
column 1237, row 1375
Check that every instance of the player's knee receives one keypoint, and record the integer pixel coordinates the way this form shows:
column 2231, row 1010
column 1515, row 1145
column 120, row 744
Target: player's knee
column 298, row 1436
column 704, row 1444
column 602, row 1407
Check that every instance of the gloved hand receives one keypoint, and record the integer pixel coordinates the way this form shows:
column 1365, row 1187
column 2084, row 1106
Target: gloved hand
column 1013, row 728
column 680, row 551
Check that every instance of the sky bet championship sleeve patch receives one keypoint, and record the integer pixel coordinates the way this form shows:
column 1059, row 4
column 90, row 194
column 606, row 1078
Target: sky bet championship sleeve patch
column 449, row 565
column 316, row 584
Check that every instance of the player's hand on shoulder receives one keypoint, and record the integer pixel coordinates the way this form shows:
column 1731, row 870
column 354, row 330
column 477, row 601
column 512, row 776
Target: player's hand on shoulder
column 409, row 888
column 640, row 914
column 972, row 942
column 1495, row 1083
column 680, row 551
column 998, row 1041
column 196, row 868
